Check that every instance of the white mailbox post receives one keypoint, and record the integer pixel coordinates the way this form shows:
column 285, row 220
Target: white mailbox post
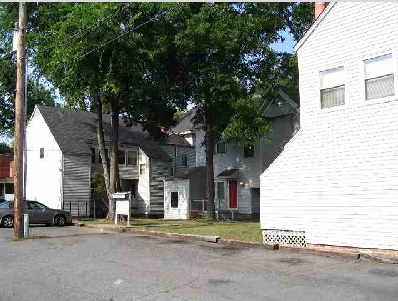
column 123, row 205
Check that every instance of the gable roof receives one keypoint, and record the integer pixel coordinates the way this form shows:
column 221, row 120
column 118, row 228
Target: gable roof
column 187, row 174
column 314, row 26
column 185, row 122
column 75, row 131
column 176, row 139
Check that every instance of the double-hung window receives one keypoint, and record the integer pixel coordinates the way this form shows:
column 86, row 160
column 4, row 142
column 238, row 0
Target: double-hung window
column 379, row 77
column 332, row 84
column 121, row 156
column 221, row 148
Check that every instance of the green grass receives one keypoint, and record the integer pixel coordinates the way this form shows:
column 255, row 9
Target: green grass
column 246, row 231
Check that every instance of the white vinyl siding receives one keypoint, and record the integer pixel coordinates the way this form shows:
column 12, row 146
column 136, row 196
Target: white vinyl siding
column 332, row 87
column 379, row 77
column 44, row 175
column 181, row 187
column 337, row 179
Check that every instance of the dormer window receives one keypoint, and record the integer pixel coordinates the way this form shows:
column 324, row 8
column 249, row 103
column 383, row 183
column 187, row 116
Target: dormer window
column 332, row 87
column 379, row 77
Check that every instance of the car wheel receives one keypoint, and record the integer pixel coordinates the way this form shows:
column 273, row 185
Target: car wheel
column 8, row 221
column 60, row 220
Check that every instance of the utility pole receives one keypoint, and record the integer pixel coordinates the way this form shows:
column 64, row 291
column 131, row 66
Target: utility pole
column 19, row 122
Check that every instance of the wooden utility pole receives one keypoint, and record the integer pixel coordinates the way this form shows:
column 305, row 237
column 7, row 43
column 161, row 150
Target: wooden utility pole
column 19, row 122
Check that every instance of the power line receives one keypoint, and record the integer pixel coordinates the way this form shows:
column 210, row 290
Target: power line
column 127, row 32
column 91, row 26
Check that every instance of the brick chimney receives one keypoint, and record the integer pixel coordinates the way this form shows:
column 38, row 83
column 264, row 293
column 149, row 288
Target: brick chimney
column 319, row 8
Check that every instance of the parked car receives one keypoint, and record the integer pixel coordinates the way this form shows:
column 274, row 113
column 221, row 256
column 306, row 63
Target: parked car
column 2, row 201
column 38, row 214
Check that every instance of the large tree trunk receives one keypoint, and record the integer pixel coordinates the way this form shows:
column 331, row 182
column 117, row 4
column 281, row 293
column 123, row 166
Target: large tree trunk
column 114, row 170
column 210, row 174
column 101, row 145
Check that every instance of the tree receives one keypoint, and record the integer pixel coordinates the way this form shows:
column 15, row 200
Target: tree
column 5, row 148
column 225, row 46
column 38, row 93
column 115, row 59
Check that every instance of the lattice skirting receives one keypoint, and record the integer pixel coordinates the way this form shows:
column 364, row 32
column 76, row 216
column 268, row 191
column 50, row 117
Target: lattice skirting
column 285, row 238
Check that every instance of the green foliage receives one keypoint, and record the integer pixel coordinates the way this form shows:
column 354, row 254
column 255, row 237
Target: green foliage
column 248, row 124
column 5, row 148
column 97, row 184
column 38, row 92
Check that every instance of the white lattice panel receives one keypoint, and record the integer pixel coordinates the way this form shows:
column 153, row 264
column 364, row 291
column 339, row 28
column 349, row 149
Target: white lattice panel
column 285, row 238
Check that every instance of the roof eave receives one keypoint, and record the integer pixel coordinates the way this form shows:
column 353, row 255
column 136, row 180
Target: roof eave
column 313, row 27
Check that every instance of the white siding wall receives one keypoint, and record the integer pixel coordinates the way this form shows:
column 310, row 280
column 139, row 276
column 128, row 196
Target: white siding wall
column 337, row 179
column 44, row 176
column 143, row 185
column 182, row 187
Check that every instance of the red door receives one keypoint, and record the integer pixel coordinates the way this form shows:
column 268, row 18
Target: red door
column 233, row 194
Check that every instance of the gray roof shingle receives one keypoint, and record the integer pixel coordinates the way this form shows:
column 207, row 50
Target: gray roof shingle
column 74, row 131
column 185, row 122
column 186, row 174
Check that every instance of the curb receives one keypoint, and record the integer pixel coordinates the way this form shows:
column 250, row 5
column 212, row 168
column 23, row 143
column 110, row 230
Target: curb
column 193, row 237
column 240, row 243
column 77, row 224
column 343, row 255
column 248, row 244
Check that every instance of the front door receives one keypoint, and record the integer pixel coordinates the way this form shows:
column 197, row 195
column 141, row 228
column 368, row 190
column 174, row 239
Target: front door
column 233, row 195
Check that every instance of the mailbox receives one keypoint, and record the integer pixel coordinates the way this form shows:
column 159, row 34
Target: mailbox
column 123, row 205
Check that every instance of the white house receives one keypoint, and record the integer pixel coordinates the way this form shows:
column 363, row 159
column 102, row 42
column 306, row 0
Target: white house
column 336, row 182
column 236, row 169
column 62, row 155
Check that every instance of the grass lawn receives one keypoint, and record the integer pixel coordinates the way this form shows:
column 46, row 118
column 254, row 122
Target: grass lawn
column 247, row 231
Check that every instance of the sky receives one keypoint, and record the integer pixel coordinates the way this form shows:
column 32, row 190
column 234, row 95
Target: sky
column 286, row 46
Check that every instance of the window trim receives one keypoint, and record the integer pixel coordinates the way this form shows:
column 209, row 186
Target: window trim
column 139, row 171
column 40, row 154
column 225, row 195
column 127, row 157
column 184, row 159
column 171, row 199
column 319, row 94
column 363, row 77
column 225, row 147
column 244, row 153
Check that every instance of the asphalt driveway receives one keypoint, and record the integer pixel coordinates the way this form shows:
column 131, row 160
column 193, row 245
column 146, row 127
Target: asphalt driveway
column 87, row 264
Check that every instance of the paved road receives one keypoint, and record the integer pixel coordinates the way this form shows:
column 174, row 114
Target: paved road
column 86, row 264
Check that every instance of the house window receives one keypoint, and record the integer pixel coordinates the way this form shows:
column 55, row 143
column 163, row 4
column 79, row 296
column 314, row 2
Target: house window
column 92, row 155
column 184, row 160
column 121, row 156
column 221, row 148
column 142, row 169
column 132, row 158
column 332, row 88
column 174, row 199
column 249, row 151
column 221, row 191
column 379, row 77
column 9, row 188
column 41, row 152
